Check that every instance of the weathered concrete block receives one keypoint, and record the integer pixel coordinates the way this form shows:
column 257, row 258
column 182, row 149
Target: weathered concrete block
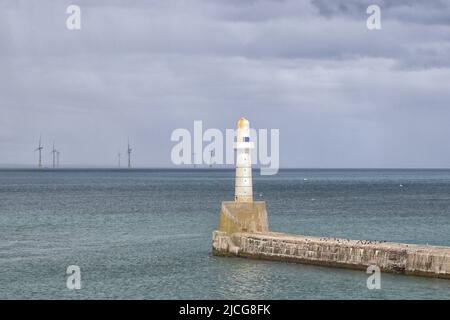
column 243, row 217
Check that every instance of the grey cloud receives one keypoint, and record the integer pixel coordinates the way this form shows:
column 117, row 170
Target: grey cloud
column 284, row 29
column 341, row 95
column 411, row 11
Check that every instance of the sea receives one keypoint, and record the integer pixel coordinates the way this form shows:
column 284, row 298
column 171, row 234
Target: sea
column 146, row 234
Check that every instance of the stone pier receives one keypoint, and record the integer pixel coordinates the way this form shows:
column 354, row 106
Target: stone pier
column 243, row 231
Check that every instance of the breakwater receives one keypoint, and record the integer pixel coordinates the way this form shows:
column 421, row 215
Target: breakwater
column 243, row 231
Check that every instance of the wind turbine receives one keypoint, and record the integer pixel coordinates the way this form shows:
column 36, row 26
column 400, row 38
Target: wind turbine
column 129, row 153
column 118, row 156
column 54, row 152
column 40, row 152
column 211, row 162
column 57, row 159
column 194, row 154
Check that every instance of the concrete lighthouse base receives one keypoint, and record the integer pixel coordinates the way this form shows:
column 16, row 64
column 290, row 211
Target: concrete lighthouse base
column 243, row 231
column 243, row 217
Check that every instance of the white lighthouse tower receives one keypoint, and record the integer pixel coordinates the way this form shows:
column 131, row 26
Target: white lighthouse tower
column 243, row 214
column 243, row 146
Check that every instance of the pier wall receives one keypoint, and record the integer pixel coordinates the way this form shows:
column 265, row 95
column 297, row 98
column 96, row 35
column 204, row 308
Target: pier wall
column 243, row 231
column 432, row 261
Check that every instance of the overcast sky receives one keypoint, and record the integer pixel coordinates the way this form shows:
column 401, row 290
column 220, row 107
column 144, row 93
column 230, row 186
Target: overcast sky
column 341, row 95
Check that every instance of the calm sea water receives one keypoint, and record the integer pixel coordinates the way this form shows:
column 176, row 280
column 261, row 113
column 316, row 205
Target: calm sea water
column 146, row 234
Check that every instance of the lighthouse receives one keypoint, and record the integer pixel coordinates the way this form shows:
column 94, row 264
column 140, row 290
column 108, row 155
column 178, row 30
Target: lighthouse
column 243, row 185
column 243, row 214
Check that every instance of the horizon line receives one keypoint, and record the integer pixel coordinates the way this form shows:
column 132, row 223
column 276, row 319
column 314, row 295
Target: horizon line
column 189, row 167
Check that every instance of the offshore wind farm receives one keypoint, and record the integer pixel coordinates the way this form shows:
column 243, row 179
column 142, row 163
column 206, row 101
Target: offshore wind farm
column 55, row 157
